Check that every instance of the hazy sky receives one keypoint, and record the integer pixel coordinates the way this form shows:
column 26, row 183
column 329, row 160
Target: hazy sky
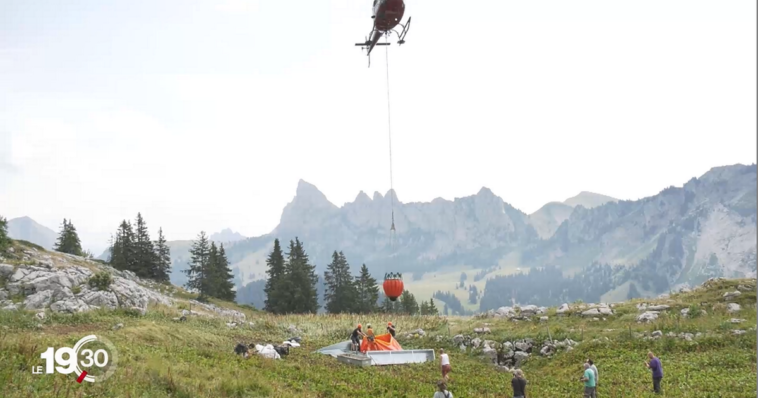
column 205, row 114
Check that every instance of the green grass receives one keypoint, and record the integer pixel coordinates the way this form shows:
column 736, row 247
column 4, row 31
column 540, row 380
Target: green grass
column 163, row 358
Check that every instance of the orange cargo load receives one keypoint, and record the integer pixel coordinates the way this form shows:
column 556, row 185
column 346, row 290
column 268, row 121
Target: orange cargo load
column 382, row 342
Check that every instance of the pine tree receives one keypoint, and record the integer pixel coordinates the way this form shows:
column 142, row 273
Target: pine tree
column 198, row 271
column 301, row 280
column 60, row 243
column 408, row 303
column 144, row 252
column 472, row 294
column 432, row 308
column 5, row 241
column 368, row 292
column 445, row 311
column 275, row 283
column 424, row 308
column 122, row 248
column 341, row 293
column 68, row 240
column 223, row 278
column 162, row 267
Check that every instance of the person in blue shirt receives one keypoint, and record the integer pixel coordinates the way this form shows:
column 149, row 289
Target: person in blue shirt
column 589, row 382
column 655, row 365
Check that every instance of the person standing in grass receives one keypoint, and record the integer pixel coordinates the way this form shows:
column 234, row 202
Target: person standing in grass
column 444, row 364
column 442, row 390
column 391, row 329
column 355, row 338
column 519, row 384
column 589, row 381
column 655, row 365
column 594, row 370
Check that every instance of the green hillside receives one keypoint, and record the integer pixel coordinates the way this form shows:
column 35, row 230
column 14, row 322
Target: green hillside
column 160, row 357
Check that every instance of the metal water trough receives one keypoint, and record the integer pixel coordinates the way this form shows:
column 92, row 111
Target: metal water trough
column 354, row 359
column 400, row 357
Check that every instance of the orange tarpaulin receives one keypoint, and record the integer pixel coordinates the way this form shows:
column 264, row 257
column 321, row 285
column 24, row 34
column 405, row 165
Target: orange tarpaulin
column 382, row 342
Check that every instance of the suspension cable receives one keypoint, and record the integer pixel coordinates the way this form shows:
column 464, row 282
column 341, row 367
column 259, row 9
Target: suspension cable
column 389, row 131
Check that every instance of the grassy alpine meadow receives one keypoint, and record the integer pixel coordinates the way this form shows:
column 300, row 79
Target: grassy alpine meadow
column 160, row 357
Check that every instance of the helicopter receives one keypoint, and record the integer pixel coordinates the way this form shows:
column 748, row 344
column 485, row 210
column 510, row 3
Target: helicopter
column 386, row 15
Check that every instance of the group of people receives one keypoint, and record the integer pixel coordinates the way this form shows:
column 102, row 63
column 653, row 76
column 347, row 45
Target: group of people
column 518, row 382
column 358, row 334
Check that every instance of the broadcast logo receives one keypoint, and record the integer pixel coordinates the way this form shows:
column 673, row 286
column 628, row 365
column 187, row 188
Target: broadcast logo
column 94, row 364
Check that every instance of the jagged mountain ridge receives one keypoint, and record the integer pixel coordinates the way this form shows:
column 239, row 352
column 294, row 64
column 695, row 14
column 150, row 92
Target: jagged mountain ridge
column 680, row 230
column 481, row 229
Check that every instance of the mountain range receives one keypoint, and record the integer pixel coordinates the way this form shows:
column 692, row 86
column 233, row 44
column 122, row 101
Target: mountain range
column 707, row 227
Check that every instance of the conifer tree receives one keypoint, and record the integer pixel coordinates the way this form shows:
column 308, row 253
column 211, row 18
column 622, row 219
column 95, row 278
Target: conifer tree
column 408, row 303
column 445, row 311
column 223, row 278
column 275, row 283
column 198, row 272
column 432, row 308
column 162, row 267
column 68, row 240
column 60, row 243
column 368, row 292
column 424, row 308
column 340, row 294
column 5, row 241
column 144, row 253
column 301, row 280
column 122, row 248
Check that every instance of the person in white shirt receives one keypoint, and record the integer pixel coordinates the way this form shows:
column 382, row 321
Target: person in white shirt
column 443, row 392
column 445, row 364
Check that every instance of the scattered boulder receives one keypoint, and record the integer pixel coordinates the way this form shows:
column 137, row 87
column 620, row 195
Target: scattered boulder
column 732, row 295
column 738, row 332
column 40, row 315
column 648, row 316
column 657, row 333
column 118, row 326
column 733, row 307
column 563, row 309
column 661, row 307
column 685, row 311
column 519, row 357
column 482, row 330
column 476, row 342
column 505, row 312
column 6, row 270
column 70, row 305
column 489, row 352
column 543, row 319
column 39, row 300
column 735, row 320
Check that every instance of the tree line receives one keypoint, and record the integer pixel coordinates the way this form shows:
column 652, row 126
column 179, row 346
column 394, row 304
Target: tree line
column 131, row 249
column 209, row 272
column 453, row 305
column 292, row 283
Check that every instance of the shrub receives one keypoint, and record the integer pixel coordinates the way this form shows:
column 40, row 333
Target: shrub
column 101, row 280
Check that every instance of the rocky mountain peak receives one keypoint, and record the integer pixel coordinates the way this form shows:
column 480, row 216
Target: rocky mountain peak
column 362, row 198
